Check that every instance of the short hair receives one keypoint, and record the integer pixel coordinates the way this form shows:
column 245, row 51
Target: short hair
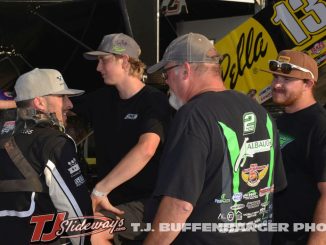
column 137, row 67
column 201, row 68
column 24, row 104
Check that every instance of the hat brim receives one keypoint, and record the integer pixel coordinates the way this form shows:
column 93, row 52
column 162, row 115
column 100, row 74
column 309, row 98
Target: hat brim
column 70, row 92
column 293, row 74
column 157, row 66
column 94, row 54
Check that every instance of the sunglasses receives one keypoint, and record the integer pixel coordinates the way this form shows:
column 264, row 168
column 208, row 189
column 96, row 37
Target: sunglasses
column 286, row 68
column 165, row 70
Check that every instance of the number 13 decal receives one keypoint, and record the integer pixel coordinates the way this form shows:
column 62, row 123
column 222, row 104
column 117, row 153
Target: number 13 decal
column 300, row 18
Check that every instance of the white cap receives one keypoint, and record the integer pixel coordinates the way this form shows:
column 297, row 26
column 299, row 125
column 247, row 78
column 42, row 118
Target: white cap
column 41, row 82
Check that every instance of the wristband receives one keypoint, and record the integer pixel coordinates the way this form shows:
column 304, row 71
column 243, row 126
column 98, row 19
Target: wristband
column 98, row 193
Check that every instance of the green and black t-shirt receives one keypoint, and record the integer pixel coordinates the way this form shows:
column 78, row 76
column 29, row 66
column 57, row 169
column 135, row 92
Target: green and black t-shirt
column 223, row 157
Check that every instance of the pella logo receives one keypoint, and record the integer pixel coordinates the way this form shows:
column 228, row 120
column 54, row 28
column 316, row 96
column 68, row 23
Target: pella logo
column 72, row 227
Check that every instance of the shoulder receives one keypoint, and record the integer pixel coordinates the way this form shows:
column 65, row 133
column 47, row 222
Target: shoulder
column 155, row 97
column 48, row 139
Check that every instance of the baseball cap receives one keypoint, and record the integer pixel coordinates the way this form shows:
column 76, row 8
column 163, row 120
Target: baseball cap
column 117, row 43
column 41, row 82
column 300, row 65
column 191, row 47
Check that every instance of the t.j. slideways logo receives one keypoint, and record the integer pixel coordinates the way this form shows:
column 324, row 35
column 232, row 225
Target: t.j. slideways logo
column 50, row 227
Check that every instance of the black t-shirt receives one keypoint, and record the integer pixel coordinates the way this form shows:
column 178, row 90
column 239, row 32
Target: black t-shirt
column 303, row 145
column 118, row 124
column 222, row 155
column 52, row 154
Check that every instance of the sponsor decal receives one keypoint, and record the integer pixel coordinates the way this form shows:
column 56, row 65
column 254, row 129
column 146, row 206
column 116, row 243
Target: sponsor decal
column 249, row 149
column 7, row 127
column 131, row 116
column 285, row 139
column 251, row 215
column 79, row 180
column 230, row 216
column 265, row 204
column 249, row 123
column 72, row 227
column 250, row 195
column 254, row 174
column 26, row 131
column 266, row 190
column 221, row 216
column 74, row 169
column 254, row 204
column 222, row 200
column 237, row 197
column 237, row 206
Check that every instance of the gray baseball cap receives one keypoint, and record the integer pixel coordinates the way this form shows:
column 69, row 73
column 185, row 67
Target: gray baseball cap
column 41, row 82
column 191, row 47
column 117, row 43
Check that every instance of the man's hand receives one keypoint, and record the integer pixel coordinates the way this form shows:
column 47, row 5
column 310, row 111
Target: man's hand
column 101, row 238
column 100, row 203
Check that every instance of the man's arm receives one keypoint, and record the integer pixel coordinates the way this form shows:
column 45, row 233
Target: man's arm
column 130, row 165
column 317, row 237
column 171, row 210
column 67, row 186
column 7, row 104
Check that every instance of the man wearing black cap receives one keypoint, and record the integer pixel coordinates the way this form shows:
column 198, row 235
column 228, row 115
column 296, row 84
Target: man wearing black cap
column 221, row 162
column 129, row 120
column 303, row 142
column 39, row 170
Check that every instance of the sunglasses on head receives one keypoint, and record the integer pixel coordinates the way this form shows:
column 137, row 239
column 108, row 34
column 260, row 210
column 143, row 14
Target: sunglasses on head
column 165, row 70
column 286, row 68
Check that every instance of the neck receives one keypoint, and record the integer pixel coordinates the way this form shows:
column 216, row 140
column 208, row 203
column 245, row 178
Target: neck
column 202, row 87
column 129, row 87
column 300, row 105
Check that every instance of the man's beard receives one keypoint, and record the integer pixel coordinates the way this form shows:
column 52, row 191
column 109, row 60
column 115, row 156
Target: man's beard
column 174, row 101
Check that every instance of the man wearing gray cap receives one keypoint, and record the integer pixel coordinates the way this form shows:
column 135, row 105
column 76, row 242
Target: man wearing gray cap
column 129, row 120
column 221, row 162
column 40, row 174
column 303, row 143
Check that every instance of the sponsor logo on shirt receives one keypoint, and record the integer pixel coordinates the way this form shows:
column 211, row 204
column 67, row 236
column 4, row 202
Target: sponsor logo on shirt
column 223, row 199
column 79, row 180
column 237, row 197
column 250, row 195
column 249, row 149
column 249, row 123
column 74, row 169
column 266, row 190
column 7, row 127
column 254, row 174
column 285, row 139
column 254, row 204
column 230, row 216
column 26, row 131
column 131, row 116
column 237, row 206
column 251, row 215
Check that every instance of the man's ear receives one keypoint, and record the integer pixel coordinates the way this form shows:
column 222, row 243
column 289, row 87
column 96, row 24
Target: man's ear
column 186, row 71
column 309, row 83
column 125, row 62
column 39, row 103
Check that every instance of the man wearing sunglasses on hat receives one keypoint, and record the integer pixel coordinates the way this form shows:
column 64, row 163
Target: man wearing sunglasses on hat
column 303, row 142
column 221, row 162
